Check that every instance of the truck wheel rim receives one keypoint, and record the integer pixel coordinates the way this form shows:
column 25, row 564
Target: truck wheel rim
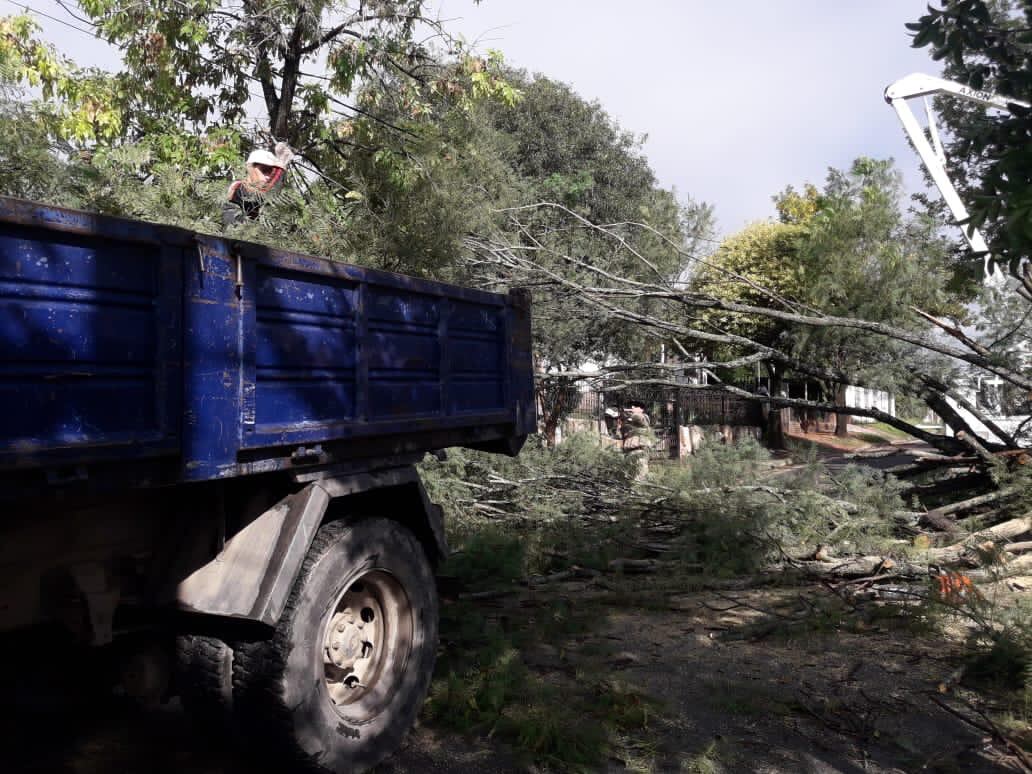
column 366, row 642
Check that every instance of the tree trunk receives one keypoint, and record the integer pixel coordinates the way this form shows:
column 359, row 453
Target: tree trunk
column 841, row 420
column 774, row 432
column 937, row 402
column 551, row 423
column 556, row 401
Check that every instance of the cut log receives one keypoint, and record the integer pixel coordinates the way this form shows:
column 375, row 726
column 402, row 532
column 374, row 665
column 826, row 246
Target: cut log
column 1009, row 530
column 943, row 517
column 952, row 484
column 870, row 455
column 971, row 502
column 972, row 443
column 953, row 465
column 634, row 566
column 938, row 521
column 1019, row 566
column 862, row 567
column 1006, row 531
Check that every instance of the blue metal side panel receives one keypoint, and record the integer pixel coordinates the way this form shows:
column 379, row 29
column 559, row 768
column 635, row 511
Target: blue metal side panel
column 87, row 346
column 521, row 361
column 305, row 349
column 345, row 352
column 476, row 344
column 121, row 340
column 403, row 355
column 212, row 378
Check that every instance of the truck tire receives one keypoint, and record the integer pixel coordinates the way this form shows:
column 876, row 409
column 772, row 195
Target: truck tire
column 204, row 680
column 346, row 671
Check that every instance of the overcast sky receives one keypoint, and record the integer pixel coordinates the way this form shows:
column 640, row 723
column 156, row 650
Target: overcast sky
column 737, row 99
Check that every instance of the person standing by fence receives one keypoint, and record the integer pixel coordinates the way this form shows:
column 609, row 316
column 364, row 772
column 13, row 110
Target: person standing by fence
column 637, row 436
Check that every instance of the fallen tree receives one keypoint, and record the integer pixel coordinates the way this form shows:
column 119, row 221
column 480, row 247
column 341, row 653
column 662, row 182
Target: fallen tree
column 671, row 310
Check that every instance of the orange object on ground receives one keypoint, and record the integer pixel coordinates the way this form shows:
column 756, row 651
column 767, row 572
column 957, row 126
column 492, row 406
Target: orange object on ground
column 955, row 587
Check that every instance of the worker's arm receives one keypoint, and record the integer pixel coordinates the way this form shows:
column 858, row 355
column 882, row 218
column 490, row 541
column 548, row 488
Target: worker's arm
column 232, row 208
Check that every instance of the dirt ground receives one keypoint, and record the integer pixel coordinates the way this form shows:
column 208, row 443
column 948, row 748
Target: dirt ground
column 735, row 695
column 814, row 701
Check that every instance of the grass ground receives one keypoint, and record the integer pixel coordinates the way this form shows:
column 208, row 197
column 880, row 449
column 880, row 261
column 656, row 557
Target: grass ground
column 615, row 672
column 888, row 431
column 859, row 438
column 647, row 672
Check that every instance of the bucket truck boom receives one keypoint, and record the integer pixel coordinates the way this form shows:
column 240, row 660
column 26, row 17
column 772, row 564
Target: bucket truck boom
column 932, row 154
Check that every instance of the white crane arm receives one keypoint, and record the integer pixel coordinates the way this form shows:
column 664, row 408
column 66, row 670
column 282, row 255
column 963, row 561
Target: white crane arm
column 919, row 85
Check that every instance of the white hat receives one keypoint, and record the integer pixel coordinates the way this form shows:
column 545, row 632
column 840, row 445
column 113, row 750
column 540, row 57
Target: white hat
column 263, row 157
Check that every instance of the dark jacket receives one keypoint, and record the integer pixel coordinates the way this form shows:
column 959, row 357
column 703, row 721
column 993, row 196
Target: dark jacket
column 245, row 200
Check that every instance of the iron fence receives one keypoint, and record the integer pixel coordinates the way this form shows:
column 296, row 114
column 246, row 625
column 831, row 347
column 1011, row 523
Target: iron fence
column 665, row 405
column 668, row 409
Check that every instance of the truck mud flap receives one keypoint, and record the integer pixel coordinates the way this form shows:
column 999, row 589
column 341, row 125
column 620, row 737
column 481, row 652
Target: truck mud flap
column 252, row 576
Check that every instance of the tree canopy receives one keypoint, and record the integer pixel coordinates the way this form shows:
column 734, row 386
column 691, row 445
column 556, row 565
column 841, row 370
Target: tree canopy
column 986, row 46
column 428, row 158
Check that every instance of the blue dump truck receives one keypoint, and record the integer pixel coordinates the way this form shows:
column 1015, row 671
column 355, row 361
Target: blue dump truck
column 208, row 446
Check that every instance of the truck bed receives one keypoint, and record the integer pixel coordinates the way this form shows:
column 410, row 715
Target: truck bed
column 158, row 355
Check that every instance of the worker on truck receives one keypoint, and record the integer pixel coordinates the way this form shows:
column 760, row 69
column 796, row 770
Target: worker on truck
column 265, row 173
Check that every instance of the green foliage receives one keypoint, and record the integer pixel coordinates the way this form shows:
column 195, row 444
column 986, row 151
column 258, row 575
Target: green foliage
column 33, row 171
column 985, row 45
column 1016, row 479
column 726, row 527
column 757, row 266
column 540, row 486
column 489, row 558
column 997, row 631
column 1006, row 660
column 483, row 685
column 717, row 465
column 80, row 105
column 798, row 208
column 846, row 250
column 579, row 504
column 735, row 525
column 862, row 258
column 875, row 497
column 387, row 181
column 573, row 168
column 197, row 63
column 707, row 761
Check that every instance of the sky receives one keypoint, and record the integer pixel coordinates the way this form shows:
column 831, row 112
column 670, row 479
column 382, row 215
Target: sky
column 736, row 100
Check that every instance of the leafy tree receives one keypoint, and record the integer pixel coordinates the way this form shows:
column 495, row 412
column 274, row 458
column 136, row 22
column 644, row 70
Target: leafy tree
column 197, row 62
column 586, row 206
column 862, row 258
column 758, row 265
column 82, row 103
column 985, row 45
column 847, row 251
column 387, row 184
